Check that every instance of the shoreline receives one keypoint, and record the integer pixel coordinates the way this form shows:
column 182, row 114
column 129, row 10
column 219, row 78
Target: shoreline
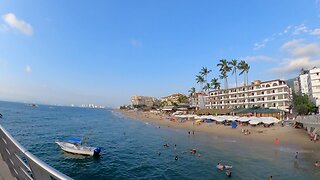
column 287, row 136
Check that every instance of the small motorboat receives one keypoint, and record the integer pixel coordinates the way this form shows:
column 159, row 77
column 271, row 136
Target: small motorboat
column 74, row 146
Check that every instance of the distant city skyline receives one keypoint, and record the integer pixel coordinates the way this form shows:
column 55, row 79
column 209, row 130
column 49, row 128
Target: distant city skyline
column 84, row 52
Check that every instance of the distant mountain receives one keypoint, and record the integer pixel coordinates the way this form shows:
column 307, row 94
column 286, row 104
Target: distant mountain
column 290, row 83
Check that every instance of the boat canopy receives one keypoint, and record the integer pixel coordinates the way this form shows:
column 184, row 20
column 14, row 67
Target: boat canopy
column 75, row 140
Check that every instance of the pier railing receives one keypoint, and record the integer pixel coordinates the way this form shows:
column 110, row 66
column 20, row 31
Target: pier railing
column 310, row 120
column 22, row 164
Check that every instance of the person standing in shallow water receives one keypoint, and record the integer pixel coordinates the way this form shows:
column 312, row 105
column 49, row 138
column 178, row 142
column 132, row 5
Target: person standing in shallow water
column 296, row 156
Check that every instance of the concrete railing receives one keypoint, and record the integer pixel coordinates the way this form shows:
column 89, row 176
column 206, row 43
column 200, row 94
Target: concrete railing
column 309, row 120
column 22, row 164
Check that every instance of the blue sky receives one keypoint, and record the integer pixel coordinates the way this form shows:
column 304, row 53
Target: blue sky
column 103, row 52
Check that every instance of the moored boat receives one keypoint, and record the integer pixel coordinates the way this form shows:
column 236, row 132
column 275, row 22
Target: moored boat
column 75, row 146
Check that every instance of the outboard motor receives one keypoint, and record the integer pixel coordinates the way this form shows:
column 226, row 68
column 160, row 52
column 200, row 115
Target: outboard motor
column 96, row 152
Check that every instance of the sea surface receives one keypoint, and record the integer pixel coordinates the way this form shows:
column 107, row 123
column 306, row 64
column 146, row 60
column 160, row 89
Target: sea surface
column 130, row 148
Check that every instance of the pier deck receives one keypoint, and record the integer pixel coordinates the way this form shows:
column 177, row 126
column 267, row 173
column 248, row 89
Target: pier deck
column 4, row 171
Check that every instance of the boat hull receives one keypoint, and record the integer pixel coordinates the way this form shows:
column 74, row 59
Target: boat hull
column 78, row 149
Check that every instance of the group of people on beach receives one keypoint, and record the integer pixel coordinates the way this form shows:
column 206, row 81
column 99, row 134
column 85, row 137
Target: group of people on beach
column 245, row 131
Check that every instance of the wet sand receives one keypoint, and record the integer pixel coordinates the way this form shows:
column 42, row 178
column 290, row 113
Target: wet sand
column 286, row 135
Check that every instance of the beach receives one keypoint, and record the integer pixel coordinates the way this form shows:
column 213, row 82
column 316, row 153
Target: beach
column 287, row 135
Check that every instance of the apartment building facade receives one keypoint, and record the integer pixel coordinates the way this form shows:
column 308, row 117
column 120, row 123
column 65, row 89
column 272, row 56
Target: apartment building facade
column 303, row 84
column 314, row 86
column 269, row 94
column 144, row 100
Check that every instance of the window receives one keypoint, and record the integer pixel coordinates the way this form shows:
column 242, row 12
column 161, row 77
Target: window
column 274, row 84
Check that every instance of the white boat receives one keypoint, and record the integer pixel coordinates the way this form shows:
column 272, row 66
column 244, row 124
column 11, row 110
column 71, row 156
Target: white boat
column 74, row 146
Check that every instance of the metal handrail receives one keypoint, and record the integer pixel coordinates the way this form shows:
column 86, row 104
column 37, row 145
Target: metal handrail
column 15, row 155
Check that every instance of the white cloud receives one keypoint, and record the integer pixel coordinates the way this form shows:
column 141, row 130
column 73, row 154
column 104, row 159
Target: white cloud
column 297, row 49
column 296, row 64
column 257, row 58
column 28, row 69
column 263, row 43
column 300, row 56
column 315, row 32
column 300, row 29
column 285, row 31
column 135, row 43
column 21, row 25
column 292, row 43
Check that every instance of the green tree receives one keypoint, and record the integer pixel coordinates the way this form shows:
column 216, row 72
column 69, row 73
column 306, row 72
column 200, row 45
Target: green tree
column 244, row 67
column 204, row 72
column 192, row 92
column 200, row 80
column 224, row 69
column 183, row 99
column 215, row 83
column 234, row 66
column 303, row 105
column 207, row 87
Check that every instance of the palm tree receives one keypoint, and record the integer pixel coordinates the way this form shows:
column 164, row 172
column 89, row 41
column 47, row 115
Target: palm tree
column 200, row 80
column 204, row 72
column 192, row 91
column 246, row 69
column 241, row 67
column 215, row 83
column 224, row 69
column 234, row 65
column 207, row 87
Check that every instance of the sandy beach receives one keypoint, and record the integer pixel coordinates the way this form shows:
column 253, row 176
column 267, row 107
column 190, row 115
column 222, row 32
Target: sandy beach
column 286, row 135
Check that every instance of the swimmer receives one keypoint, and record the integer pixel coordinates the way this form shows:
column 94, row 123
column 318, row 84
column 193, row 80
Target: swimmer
column 199, row 155
column 159, row 153
column 176, row 158
column 219, row 166
column 166, row 145
column 228, row 173
column 317, row 164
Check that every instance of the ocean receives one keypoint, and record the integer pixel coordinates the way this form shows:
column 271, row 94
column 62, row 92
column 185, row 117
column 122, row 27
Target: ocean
column 130, row 148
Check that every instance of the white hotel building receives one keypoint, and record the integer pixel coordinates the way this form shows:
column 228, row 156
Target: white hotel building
column 269, row 94
column 314, row 86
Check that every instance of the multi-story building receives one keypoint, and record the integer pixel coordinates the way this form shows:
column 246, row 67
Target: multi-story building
column 198, row 100
column 144, row 100
column 303, row 83
column 269, row 94
column 296, row 86
column 174, row 98
column 314, row 86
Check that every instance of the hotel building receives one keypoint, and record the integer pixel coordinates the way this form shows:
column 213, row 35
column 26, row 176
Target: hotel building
column 314, row 86
column 269, row 94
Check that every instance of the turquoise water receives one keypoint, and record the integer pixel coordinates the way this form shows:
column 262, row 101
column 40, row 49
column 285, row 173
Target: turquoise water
column 130, row 148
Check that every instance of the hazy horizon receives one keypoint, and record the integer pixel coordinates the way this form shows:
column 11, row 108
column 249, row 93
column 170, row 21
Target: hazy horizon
column 71, row 52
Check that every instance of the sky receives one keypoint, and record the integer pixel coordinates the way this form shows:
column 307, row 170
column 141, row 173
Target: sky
column 103, row 52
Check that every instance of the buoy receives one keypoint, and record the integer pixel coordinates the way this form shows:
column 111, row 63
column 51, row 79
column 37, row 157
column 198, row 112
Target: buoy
column 276, row 142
